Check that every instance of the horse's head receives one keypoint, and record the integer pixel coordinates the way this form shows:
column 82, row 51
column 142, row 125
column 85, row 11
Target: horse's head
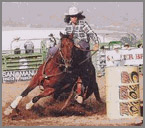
column 66, row 49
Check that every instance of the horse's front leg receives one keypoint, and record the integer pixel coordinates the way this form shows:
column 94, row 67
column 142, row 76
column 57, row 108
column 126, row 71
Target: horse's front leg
column 47, row 92
column 14, row 104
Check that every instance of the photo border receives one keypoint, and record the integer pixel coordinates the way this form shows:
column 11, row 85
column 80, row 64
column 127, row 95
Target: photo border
column 57, row 1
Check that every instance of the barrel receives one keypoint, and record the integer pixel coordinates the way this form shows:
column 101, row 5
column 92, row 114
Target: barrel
column 122, row 92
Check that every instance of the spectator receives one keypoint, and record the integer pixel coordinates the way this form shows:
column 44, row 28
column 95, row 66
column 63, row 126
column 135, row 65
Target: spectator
column 17, row 51
column 126, row 46
column 52, row 39
column 140, row 46
column 117, row 56
column 29, row 47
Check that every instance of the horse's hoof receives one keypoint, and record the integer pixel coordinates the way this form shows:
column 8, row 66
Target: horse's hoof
column 79, row 99
column 29, row 105
column 8, row 111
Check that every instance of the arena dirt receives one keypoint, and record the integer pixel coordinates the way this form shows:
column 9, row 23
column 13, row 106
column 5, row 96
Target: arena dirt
column 47, row 112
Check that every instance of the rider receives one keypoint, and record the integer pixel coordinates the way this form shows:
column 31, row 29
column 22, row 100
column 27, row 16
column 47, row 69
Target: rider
column 82, row 33
column 81, row 30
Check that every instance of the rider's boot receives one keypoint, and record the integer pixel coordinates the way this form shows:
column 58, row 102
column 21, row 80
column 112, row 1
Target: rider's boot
column 79, row 91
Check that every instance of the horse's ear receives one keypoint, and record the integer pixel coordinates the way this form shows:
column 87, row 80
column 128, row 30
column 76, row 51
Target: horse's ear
column 61, row 34
column 71, row 36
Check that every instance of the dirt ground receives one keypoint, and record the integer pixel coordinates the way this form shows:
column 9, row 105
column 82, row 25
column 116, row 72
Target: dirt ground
column 44, row 113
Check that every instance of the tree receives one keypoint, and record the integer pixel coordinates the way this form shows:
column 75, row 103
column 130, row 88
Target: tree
column 130, row 38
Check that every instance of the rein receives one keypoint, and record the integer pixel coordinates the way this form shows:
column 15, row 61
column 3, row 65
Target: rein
column 85, row 50
column 53, row 75
column 87, row 57
column 47, row 76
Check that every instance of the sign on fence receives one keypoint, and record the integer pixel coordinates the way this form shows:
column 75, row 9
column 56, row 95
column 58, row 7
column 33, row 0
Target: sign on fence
column 21, row 75
column 125, row 57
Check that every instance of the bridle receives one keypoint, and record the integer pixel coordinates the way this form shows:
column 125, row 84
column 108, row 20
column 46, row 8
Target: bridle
column 64, row 60
column 59, row 64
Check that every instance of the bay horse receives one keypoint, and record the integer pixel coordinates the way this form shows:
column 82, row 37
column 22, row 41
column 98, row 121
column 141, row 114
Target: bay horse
column 49, row 74
column 87, row 75
column 83, row 71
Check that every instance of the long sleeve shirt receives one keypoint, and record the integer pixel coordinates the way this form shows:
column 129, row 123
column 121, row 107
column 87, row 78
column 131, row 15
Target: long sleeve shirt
column 82, row 31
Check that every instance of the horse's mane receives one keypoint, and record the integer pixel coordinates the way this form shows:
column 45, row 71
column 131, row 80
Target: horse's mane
column 66, row 36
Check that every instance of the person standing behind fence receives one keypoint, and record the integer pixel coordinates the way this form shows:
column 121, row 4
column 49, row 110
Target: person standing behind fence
column 29, row 47
column 126, row 46
column 140, row 46
column 117, row 56
column 52, row 40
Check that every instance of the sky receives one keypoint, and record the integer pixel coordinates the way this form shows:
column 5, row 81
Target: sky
column 125, row 16
column 51, row 14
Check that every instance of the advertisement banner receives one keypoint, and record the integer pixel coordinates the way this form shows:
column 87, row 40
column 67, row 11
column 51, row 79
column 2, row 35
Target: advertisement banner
column 132, row 57
column 21, row 75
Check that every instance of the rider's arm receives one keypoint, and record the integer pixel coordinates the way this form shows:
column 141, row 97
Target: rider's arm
column 88, row 30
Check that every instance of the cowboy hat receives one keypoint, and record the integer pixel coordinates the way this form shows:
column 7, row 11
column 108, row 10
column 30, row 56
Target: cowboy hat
column 73, row 11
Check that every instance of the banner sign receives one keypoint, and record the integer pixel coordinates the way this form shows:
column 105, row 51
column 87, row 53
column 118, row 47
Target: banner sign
column 21, row 75
column 125, row 57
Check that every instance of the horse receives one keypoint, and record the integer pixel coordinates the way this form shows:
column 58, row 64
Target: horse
column 49, row 74
column 87, row 76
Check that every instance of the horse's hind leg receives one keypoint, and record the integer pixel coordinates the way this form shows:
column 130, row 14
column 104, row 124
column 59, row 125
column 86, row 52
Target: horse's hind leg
column 93, row 86
column 47, row 92
column 89, row 92
column 14, row 104
column 96, row 92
